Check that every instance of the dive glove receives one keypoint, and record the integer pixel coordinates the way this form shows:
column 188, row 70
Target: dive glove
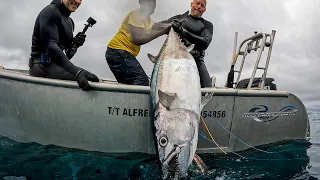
column 177, row 26
column 83, row 77
column 79, row 39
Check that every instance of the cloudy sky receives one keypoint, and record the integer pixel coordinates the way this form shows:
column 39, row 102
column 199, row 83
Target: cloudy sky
column 294, row 60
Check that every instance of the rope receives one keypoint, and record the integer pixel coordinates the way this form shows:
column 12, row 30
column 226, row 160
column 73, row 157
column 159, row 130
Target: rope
column 243, row 157
column 243, row 141
column 211, row 135
column 268, row 152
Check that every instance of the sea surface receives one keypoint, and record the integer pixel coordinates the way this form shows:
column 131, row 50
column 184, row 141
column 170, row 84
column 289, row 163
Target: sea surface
column 294, row 160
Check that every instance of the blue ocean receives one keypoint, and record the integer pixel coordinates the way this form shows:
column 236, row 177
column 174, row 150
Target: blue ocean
column 291, row 161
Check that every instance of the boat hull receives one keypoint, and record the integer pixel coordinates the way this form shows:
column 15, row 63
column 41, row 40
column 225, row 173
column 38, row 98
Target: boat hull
column 115, row 118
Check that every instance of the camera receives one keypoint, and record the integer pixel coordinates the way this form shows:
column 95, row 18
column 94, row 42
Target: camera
column 90, row 22
column 73, row 48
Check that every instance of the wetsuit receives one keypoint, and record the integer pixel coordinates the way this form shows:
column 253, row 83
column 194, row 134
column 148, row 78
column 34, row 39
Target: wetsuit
column 199, row 32
column 53, row 32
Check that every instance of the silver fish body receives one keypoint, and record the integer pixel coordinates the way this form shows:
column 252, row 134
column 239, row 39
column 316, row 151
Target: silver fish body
column 177, row 104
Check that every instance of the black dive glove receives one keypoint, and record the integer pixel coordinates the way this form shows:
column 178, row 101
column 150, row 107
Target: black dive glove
column 83, row 77
column 79, row 39
column 177, row 26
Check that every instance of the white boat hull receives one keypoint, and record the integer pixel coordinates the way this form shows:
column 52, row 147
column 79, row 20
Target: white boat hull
column 115, row 118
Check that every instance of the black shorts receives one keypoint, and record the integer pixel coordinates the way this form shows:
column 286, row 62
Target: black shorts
column 126, row 68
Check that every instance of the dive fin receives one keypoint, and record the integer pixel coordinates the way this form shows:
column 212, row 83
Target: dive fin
column 206, row 99
column 190, row 48
column 166, row 99
column 201, row 165
column 152, row 58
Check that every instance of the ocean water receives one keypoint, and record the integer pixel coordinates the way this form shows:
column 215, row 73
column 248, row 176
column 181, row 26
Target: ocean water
column 295, row 160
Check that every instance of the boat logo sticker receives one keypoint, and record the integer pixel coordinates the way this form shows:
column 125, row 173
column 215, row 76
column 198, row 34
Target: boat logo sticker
column 261, row 113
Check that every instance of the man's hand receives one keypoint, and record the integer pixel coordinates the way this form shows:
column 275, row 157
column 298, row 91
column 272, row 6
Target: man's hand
column 83, row 77
column 79, row 39
column 177, row 26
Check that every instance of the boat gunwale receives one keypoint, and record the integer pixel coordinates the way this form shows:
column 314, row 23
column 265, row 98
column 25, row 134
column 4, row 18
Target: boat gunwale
column 103, row 86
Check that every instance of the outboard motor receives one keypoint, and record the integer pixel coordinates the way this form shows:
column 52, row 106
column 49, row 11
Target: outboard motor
column 243, row 84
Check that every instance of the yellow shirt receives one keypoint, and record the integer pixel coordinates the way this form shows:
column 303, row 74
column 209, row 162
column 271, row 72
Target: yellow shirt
column 123, row 40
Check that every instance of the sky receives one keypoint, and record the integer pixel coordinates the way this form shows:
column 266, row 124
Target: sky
column 294, row 59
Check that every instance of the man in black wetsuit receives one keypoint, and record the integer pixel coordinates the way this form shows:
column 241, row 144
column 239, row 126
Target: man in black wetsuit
column 193, row 29
column 53, row 33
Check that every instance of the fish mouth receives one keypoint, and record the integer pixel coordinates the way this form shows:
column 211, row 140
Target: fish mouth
column 173, row 168
column 171, row 164
column 174, row 153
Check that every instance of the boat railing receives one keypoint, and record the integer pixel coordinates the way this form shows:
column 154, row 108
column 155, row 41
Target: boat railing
column 253, row 43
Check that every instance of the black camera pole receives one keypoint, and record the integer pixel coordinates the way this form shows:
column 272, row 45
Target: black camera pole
column 73, row 48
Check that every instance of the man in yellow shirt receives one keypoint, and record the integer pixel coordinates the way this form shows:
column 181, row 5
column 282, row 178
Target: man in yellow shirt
column 137, row 29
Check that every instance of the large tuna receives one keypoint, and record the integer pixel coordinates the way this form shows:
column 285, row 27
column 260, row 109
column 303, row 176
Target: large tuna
column 176, row 102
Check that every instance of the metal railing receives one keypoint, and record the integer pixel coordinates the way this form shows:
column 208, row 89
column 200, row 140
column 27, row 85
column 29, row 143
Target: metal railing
column 258, row 41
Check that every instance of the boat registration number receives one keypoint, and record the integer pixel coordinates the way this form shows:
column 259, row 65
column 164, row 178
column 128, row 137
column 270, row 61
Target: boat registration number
column 216, row 114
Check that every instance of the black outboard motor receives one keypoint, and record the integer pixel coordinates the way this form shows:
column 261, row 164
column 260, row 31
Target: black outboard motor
column 243, row 84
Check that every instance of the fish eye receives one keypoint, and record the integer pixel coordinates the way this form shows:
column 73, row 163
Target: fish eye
column 163, row 141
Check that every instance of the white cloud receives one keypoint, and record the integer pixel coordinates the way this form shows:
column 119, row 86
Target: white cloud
column 12, row 58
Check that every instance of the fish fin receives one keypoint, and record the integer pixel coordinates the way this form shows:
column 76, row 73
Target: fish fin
column 166, row 99
column 201, row 165
column 152, row 58
column 206, row 99
column 190, row 48
column 161, row 108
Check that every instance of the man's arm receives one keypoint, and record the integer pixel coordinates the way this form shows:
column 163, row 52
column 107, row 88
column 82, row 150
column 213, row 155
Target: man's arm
column 202, row 41
column 137, row 27
column 160, row 25
column 179, row 16
column 169, row 20
column 67, row 50
column 50, row 37
column 140, row 38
